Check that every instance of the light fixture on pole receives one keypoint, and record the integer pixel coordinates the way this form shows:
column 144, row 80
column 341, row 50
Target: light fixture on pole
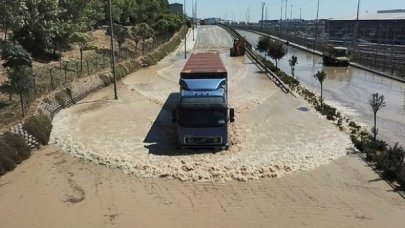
column 112, row 52
column 261, row 24
column 185, row 35
column 316, row 26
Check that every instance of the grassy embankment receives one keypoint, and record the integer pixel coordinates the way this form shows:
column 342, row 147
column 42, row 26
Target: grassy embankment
column 13, row 147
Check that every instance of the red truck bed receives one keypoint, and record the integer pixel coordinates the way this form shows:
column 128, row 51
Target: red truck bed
column 204, row 65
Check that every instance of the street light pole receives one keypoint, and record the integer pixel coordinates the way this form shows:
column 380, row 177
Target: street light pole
column 112, row 52
column 261, row 26
column 356, row 28
column 185, row 35
column 316, row 26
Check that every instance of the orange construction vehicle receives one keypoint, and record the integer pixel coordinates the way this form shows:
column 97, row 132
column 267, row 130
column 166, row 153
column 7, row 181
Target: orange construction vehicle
column 238, row 48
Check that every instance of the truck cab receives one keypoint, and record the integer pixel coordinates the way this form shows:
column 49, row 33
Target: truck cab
column 336, row 56
column 202, row 114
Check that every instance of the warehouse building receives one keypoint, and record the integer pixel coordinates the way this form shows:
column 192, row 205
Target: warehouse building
column 385, row 27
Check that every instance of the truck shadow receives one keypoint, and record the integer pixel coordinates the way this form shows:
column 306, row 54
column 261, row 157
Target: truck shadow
column 162, row 137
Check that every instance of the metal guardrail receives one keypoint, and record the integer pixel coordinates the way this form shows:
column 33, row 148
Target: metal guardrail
column 257, row 60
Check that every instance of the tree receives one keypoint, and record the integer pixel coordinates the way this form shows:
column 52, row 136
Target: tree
column 276, row 51
column 8, row 15
column 38, row 25
column 20, row 81
column 169, row 24
column 144, row 31
column 150, row 11
column 263, row 44
column 18, row 62
column 292, row 62
column 321, row 75
column 82, row 40
column 137, row 38
column 376, row 102
column 120, row 34
column 16, row 59
column 14, row 55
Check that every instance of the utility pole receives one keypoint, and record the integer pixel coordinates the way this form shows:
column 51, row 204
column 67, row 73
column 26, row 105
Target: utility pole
column 285, row 16
column 356, row 28
column 291, row 12
column 185, row 35
column 281, row 16
column 261, row 26
column 300, row 12
column 316, row 26
column 112, row 52
column 265, row 17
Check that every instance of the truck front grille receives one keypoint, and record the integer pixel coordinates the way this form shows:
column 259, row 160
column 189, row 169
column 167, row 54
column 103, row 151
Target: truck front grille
column 203, row 140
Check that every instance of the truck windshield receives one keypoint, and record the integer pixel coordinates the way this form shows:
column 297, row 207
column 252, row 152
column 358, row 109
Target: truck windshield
column 340, row 52
column 202, row 118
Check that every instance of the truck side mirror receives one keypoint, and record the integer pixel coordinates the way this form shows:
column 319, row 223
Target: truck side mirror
column 174, row 113
column 231, row 115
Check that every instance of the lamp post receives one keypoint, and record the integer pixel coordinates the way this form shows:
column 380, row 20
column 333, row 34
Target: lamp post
column 185, row 35
column 261, row 24
column 316, row 26
column 112, row 52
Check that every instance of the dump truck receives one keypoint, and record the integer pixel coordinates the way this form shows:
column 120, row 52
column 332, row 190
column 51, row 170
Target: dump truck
column 239, row 46
column 202, row 113
column 335, row 56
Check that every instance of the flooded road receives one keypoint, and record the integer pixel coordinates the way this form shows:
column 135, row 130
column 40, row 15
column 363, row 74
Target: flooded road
column 349, row 89
column 272, row 135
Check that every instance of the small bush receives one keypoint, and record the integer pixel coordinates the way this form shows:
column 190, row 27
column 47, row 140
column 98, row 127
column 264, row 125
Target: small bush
column 17, row 142
column 13, row 150
column 354, row 125
column 6, row 164
column 120, row 72
column 391, row 160
column 40, row 127
column 401, row 175
column 106, row 80
column 62, row 97
column 9, row 152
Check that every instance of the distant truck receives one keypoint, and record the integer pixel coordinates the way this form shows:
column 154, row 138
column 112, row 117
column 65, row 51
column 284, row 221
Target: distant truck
column 202, row 113
column 335, row 56
column 239, row 47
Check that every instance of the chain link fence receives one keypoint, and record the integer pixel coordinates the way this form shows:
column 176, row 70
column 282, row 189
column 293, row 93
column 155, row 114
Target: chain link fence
column 49, row 77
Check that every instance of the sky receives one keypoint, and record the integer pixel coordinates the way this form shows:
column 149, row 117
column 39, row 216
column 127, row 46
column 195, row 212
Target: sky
column 238, row 9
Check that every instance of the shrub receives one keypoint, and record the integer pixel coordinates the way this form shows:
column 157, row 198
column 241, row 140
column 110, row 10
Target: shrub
column 17, row 142
column 9, row 152
column 120, row 72
column 62, row 98
column 105, row 78
column 354, row 125
column 6, row 164
column 391, row 160
column 401, row 175
column 40, row 127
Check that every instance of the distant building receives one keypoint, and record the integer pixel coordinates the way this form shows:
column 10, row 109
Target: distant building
column 212, row 20
column 176, row 8
column 385, row 26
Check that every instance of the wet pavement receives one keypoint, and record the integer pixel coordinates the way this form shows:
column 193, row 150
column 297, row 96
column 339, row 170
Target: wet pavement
column 349, row 89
